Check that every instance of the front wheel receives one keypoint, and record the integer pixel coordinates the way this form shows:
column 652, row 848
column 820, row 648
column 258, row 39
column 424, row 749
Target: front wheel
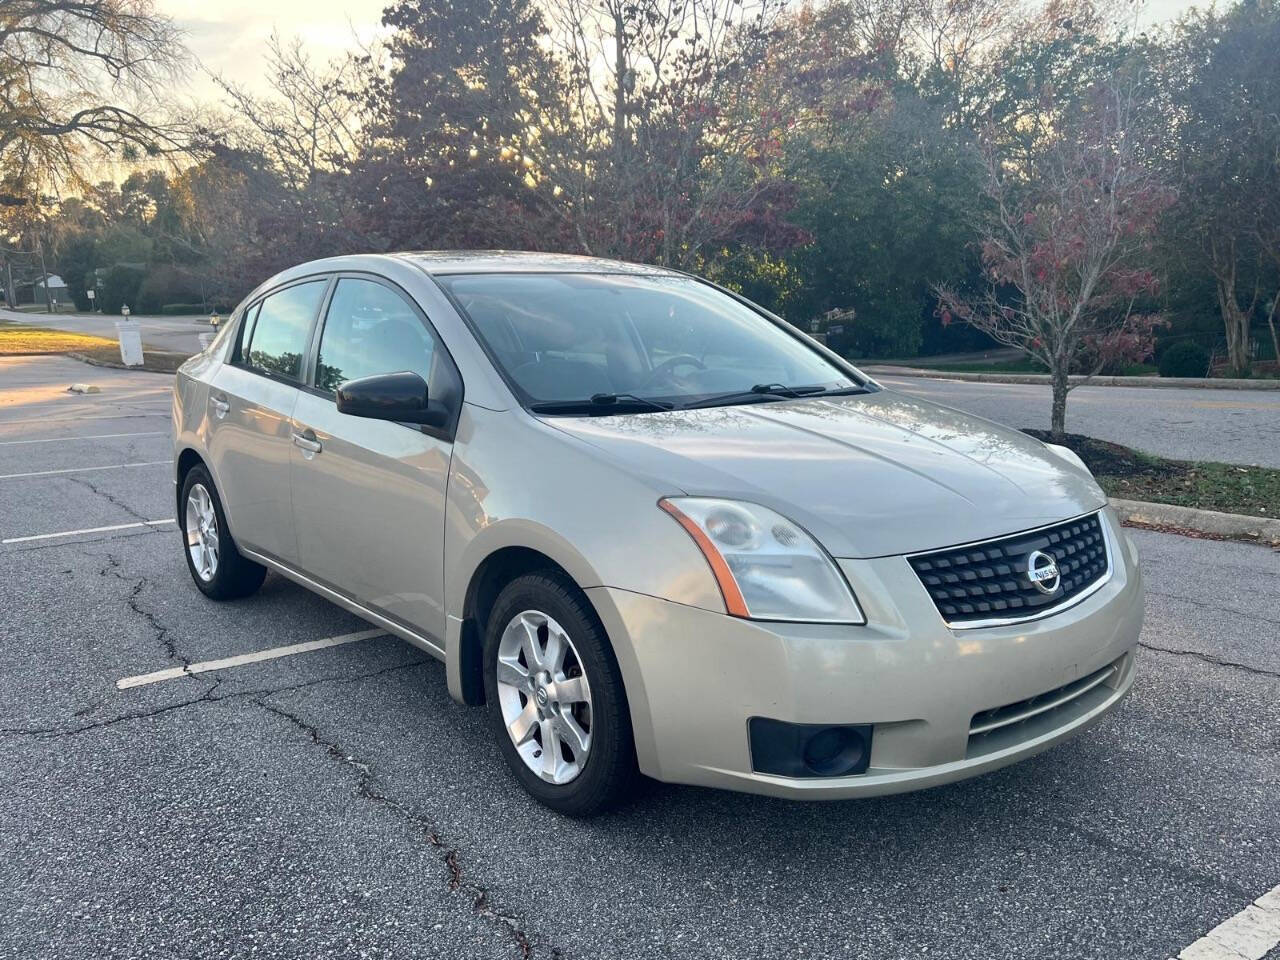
column 217, row 567
column 556, row 697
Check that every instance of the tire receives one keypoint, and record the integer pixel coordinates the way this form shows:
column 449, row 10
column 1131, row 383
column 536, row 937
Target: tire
column 540, row 605
column 230, row 575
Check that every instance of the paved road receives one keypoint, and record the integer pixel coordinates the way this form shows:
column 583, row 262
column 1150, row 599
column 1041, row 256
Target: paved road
column 337, row 803
column 1232, row 426
column 177, row 334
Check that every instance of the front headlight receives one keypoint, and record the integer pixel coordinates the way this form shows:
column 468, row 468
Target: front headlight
column 767, row 567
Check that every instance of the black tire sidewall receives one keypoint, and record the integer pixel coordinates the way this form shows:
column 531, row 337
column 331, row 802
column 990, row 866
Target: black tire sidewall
column 235, row 576
column 609, row 770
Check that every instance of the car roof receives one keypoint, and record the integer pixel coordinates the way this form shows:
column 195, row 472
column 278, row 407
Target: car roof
column 441, row 262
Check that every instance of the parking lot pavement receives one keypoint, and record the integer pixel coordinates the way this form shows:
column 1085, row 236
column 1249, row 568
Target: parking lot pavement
column 1230, row 426
column 336, row 802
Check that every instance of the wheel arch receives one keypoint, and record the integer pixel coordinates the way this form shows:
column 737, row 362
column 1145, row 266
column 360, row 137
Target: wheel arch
column 495, row 557
column 189, row 457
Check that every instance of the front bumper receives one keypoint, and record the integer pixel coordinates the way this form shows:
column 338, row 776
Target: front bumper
column 695, row 678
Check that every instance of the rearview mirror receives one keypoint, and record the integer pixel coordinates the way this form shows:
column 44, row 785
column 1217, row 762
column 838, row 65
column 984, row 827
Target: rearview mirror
column 401, row 397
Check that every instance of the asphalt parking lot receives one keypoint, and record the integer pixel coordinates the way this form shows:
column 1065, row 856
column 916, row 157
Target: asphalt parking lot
column 1230, row 426
column 338, row 803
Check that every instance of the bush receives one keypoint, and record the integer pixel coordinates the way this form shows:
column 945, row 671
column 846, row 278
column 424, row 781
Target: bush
column 1185, row 359
column 120, row 286
column 167, row 284
column 182, row 309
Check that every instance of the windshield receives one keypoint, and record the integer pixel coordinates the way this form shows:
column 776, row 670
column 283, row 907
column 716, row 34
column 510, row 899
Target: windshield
column 563, row 339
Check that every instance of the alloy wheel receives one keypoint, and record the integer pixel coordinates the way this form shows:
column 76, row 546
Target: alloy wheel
column 544, row 696
column 202, row 532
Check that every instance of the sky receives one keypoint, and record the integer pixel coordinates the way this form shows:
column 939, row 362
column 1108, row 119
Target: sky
column 229, row 35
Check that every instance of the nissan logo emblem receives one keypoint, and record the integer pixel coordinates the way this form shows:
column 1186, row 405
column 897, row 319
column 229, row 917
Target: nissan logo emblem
column 1043, row 572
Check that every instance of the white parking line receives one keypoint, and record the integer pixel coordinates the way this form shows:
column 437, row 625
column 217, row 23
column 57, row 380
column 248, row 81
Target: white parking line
column 274, row 653
column 92, row 436
column 108, row 416
column 76, row 533
column 49, row 473
column 1249, row 935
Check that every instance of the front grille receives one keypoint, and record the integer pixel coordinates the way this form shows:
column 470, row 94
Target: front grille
column 991, row 580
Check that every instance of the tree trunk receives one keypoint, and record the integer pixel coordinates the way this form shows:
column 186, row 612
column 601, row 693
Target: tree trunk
column 1271, row 324
column 620, row 151
column 1058, row 421
column 1235, row 321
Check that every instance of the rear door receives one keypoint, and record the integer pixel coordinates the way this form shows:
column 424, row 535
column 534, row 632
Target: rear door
column 369, row 495
column 251, row 402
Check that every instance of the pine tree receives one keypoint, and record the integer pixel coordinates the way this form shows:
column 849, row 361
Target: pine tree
column 456, row 153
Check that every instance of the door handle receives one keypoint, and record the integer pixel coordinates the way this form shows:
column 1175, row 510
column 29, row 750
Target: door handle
column 308, row 442
column 220, row 406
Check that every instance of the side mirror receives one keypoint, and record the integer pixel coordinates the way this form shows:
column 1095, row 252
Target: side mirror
column 401, row 397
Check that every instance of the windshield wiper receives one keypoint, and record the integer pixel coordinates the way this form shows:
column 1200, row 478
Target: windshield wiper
column 602, row 403
column 759, row 393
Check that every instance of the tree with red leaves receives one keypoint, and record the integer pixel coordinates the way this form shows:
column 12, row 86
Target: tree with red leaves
column 1066, row 245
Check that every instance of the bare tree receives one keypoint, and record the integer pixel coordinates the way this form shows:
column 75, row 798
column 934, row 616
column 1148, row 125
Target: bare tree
column 1065, row 245
column 73, row 77
column 311, row 123
column 661, row 157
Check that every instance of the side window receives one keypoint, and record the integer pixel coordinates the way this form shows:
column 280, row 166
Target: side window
column 278, row 339
column 370, row 329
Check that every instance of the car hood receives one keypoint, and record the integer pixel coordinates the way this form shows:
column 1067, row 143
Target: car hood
column 869, row 475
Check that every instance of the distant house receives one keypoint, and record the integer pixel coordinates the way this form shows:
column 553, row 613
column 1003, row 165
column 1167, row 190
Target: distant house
column 33, row 291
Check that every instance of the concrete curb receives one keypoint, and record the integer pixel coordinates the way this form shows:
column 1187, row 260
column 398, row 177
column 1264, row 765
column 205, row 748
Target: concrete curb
column 1159, row 383
column 95, row 362
column 1234, row 526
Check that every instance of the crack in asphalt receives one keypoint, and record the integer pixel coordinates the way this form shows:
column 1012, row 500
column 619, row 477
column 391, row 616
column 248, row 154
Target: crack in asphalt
column 1205, row 605
column 208, row 696
column 134, row 604
column 58, row 732
column 481, row 901
column 110, row 498
column 85, row 539
column 1211, row 659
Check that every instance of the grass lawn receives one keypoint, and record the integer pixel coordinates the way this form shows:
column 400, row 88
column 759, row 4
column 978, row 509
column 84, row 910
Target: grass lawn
column 60, row 306
column 1131, row 475
column 18, row 339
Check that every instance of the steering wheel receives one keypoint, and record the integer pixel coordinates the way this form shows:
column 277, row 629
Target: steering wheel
column 669, row 364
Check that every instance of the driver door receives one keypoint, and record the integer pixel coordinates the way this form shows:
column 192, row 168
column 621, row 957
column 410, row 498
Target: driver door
column 369, row 495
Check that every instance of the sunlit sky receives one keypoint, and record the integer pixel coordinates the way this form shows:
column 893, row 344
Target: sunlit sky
column 228, row 36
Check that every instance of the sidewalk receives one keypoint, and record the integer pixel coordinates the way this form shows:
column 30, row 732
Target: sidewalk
column 883, row 370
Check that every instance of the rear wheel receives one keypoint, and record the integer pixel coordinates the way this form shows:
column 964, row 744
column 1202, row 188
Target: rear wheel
column 216, row 566
column 556, row 697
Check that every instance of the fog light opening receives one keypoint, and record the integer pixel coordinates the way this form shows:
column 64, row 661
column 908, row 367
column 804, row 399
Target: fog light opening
column 833, row 751
column 809, row 749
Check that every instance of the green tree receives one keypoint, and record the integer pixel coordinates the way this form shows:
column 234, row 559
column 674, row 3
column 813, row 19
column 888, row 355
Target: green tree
column 889, row 211
column 120, row 287
column 1217, row 107
column 76, row 264
column 455, row 127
